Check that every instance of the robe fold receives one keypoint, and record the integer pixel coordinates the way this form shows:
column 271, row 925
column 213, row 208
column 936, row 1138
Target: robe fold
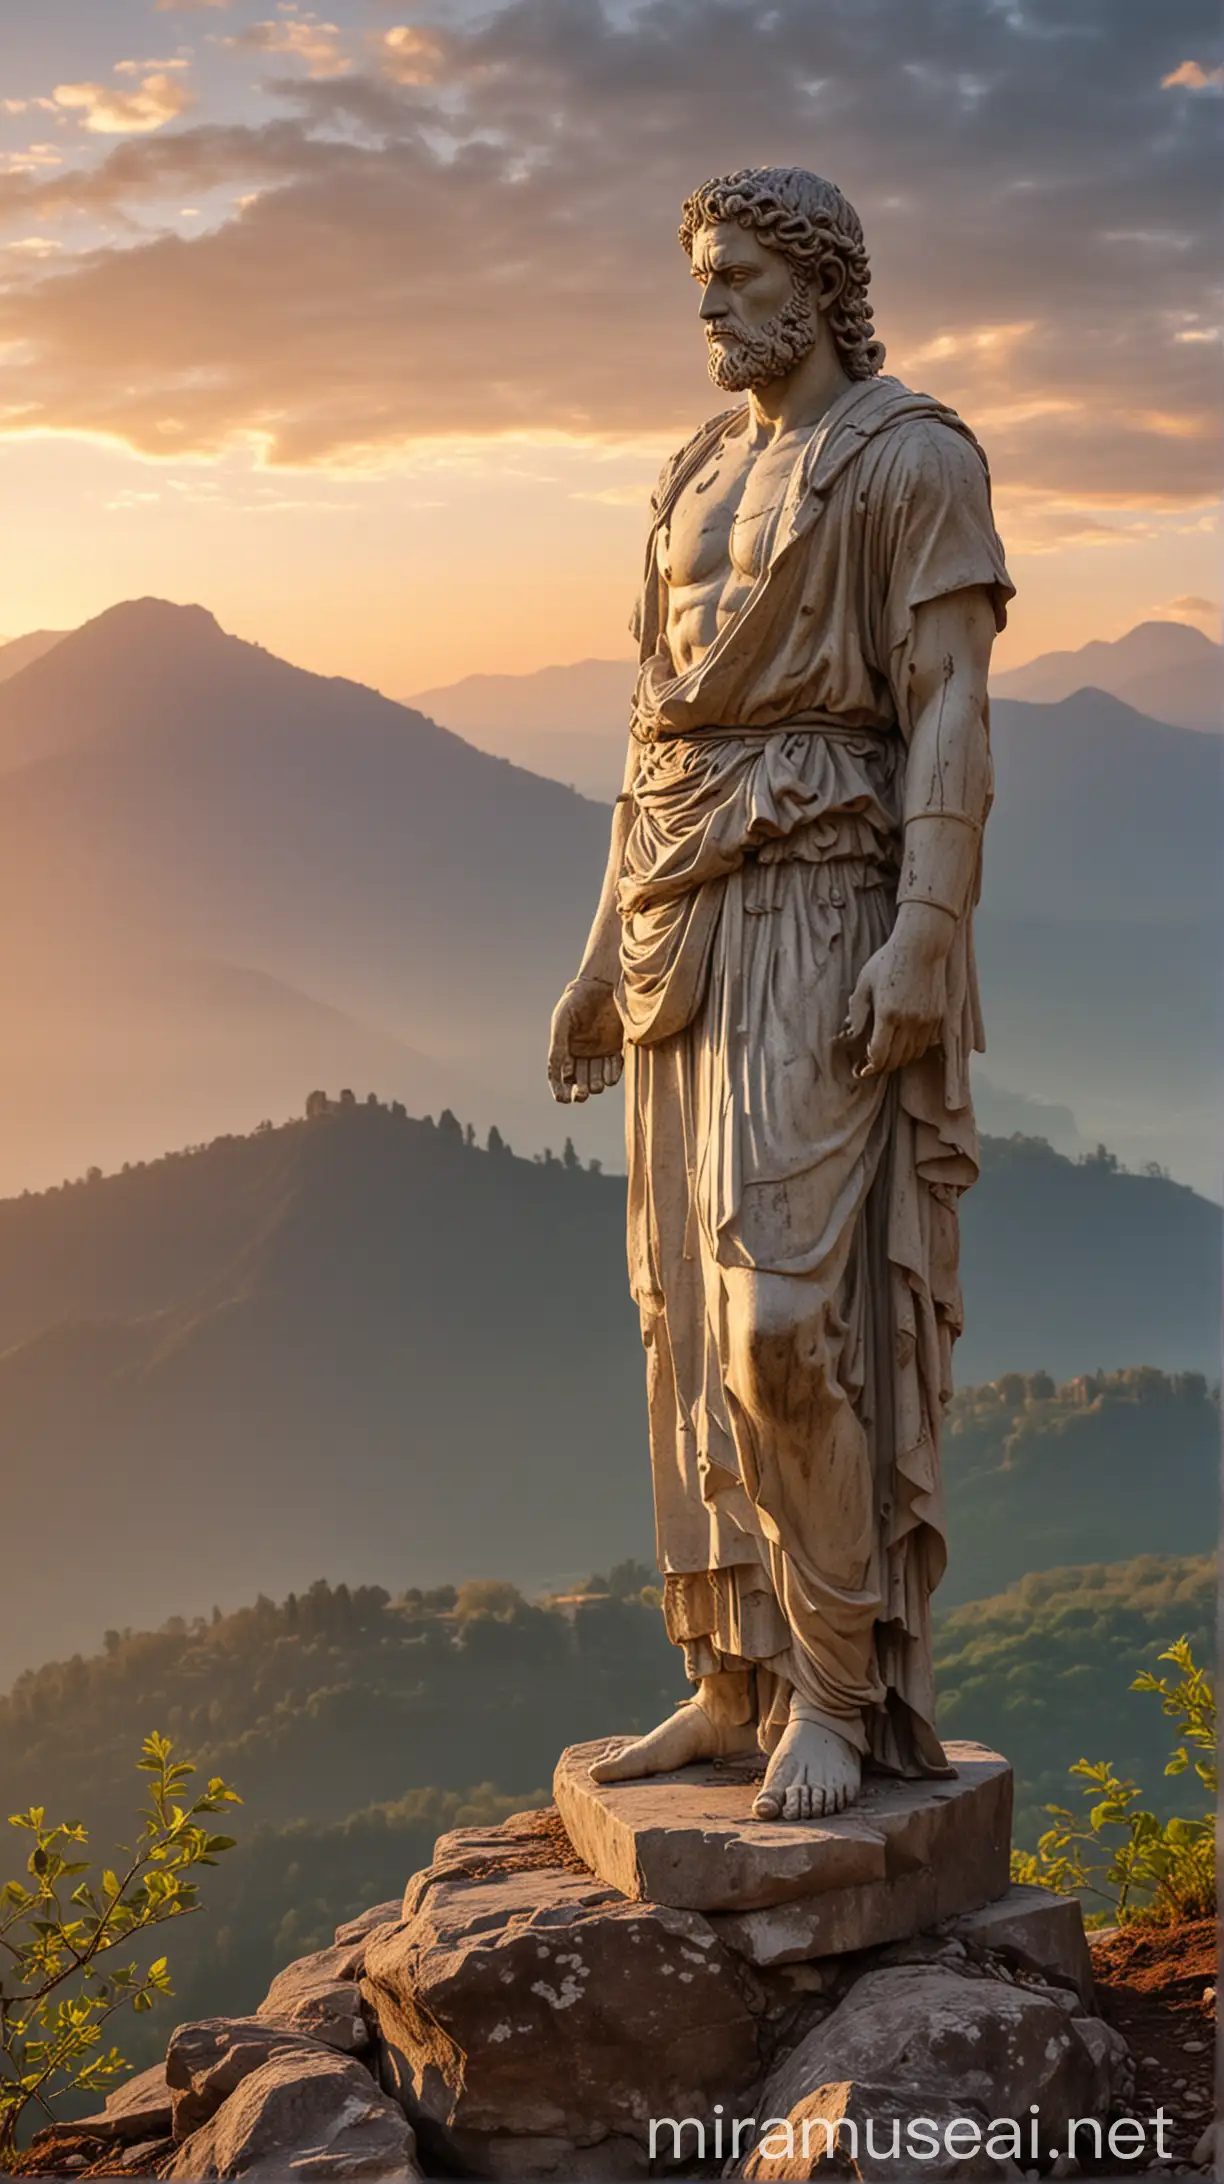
column 792, row 1229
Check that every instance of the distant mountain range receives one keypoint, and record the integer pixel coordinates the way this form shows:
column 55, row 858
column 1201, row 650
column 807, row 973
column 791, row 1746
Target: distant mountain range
column 1166, row 669
column 222, row 877
column 357, row 1343
column 570, row 722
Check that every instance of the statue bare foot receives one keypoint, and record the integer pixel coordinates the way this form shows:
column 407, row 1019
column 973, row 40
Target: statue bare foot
column 812, row 1774
column 686, row 1735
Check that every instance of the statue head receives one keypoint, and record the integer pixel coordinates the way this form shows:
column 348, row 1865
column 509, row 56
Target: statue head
column 778, row 251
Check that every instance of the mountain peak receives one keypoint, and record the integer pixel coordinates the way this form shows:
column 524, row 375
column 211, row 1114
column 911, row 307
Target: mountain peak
column 155, row 626
column 136, row 664
column 151, row 613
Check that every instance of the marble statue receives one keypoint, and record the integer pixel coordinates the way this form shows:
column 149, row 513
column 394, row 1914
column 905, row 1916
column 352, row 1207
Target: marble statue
column 782, row 965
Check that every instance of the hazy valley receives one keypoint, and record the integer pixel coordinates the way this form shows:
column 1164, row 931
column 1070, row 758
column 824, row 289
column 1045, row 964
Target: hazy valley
column 322, row 1347
column 224, row 878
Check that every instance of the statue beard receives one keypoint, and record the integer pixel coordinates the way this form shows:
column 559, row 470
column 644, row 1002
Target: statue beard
column 744, row 357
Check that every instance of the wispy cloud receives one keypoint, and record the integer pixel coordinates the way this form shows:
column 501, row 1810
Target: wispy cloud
column 34, row 159
column 1190, row 607
column 300, row 37
column 109, row 111
column 144, row 68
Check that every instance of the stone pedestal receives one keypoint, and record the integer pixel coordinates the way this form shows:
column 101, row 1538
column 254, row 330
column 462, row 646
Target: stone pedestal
column 536, row 2011
column 906, row 1856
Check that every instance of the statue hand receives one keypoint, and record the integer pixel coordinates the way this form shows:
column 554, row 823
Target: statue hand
column 901, row 994
column 586, row 1050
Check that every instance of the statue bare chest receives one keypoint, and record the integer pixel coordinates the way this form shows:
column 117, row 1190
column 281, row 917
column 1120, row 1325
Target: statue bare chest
column 719, row 538
column 724, row 520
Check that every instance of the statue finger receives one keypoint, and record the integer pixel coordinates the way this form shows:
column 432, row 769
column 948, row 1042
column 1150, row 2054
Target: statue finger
column 614, row 1068
column 859, row 1010
column 880, row 1057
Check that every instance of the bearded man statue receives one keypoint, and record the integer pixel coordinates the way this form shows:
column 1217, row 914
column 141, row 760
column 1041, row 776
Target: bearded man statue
column 782, row 964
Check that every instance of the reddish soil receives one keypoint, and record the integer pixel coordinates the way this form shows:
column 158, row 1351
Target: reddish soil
column 1157, row 1985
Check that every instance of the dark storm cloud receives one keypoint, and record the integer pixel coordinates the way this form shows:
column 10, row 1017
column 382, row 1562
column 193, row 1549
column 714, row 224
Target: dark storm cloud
column 475, row 233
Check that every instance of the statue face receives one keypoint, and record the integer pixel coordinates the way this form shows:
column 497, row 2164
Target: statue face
column 760, row 321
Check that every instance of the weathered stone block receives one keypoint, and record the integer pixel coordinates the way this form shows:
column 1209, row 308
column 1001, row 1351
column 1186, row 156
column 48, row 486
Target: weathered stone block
column 908, row 1854
column 1036, row 1930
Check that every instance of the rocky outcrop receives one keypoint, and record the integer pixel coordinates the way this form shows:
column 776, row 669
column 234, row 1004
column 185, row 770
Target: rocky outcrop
column 518, row 2017
column 528, row 2013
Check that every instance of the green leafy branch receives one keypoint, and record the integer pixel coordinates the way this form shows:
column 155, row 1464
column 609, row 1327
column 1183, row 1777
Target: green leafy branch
column 56, row 1992
column 1120, row 1853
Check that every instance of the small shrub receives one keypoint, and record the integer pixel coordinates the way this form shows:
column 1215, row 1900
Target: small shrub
column 58, row 1987
column 1142, row 1868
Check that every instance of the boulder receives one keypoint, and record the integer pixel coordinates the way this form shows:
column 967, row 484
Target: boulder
column 1037, row 1931
column 875, row 2132
column 139, row 2109
column 305, row 2112
column 525, row 2010
column 320, row 1996
column 906, row 1855
column 207, row 2060
column 978, row 2042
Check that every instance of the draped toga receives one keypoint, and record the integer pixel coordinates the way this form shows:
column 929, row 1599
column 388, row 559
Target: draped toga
column 801, row 1534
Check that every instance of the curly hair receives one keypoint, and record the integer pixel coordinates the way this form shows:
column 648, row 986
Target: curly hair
column 809, row 222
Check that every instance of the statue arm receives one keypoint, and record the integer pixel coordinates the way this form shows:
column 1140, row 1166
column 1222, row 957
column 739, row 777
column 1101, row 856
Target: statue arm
column 586, row 1047
column 897, row 1007
column 948, row 772
column 601, row 956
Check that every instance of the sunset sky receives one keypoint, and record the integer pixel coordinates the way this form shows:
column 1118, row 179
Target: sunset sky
column 370, row 332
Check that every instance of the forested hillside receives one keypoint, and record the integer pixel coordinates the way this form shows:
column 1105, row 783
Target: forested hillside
column 1043, row 1671
column 355, row 1341
column 357, row 1727
column 1039, row 1475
